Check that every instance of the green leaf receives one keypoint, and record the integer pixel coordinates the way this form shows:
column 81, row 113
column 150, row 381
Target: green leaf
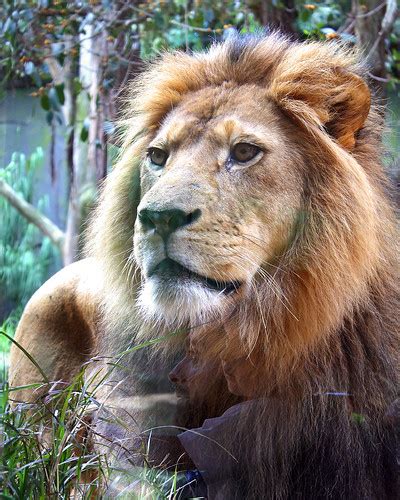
column 85, row 130
column 77, row 86
column 9, row 26
column 55, row 103
column 60, row 93
column 357, row 418
column 305, row 15
column 45, row 102
column 49, row 117
column 36, row 78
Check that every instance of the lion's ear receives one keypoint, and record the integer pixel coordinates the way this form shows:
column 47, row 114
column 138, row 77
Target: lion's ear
column 349, row 108
column 317, row 84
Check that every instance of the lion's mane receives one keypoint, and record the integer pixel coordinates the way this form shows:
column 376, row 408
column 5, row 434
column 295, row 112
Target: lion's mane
column 328, row 343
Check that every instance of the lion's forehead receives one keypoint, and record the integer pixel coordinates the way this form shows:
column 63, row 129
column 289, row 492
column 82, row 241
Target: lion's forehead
column 218, row 118
column 209, row 102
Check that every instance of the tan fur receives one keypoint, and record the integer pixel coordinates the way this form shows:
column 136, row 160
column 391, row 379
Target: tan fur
column 308, row 230
column 340, row 247
column 58, row 329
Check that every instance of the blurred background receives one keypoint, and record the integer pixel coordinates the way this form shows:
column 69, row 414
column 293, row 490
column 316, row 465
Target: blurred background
column 64, row 66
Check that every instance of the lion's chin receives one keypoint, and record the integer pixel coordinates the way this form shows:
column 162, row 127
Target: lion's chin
column 180, row 303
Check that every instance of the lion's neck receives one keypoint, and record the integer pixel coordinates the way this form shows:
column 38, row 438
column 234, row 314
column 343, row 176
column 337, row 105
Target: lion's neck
column 338, row 360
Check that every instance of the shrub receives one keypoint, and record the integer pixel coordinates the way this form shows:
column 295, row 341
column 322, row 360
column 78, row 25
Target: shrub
column 25, row 255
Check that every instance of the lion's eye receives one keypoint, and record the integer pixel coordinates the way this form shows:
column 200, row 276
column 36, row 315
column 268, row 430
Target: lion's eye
column 244, row 152
column 157, row 156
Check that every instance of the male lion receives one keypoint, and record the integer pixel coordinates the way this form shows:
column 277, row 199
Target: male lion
column 262, row 225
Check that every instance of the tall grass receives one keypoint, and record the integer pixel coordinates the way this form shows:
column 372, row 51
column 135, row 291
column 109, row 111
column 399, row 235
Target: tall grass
column 45, row 453
column 48, row 449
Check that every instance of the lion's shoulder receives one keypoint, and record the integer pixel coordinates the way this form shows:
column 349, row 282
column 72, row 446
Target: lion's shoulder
column 58, row 326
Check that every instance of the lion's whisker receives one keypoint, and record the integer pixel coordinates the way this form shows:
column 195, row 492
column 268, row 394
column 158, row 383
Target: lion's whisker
column 280, row 267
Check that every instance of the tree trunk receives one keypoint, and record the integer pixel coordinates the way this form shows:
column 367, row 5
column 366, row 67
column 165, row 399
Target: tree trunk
column 97, row 148
column 86, row 161
column 374, row 21
column 280, row 15
column 70, row 252
column 65, row 74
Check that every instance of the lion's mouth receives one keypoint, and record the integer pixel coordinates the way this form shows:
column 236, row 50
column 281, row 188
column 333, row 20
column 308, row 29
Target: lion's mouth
column 171, row 270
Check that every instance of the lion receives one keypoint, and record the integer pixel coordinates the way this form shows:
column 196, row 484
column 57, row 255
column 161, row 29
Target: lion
column 249, row 207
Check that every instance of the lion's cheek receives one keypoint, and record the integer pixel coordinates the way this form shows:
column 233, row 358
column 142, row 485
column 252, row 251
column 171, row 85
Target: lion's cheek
column 274, row 220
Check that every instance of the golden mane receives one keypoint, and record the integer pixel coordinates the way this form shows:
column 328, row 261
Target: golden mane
column 344, row 245
column 333, row 326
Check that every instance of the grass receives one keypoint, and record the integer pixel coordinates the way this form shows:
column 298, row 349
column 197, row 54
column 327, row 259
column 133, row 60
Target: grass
column 47, row 448
column 43, row 453
column 8, row 327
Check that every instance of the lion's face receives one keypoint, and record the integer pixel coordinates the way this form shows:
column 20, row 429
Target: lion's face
column 221, row 187
column 261, row 212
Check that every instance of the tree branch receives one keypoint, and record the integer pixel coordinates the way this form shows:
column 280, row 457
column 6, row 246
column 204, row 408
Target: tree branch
column 390, row 16
column 386, row 26
column 32, row 214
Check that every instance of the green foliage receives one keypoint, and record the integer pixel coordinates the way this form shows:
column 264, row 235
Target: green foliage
column 49, row 460
column 393, row 61
column 182, row 24
column 47, row 447
column 8, row 326
column 46, row 453
column 25, row 255
column 320, row 20
column 32, row 31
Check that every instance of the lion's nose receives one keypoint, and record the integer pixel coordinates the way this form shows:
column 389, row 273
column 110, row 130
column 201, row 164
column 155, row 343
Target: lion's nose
column 165, row 222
